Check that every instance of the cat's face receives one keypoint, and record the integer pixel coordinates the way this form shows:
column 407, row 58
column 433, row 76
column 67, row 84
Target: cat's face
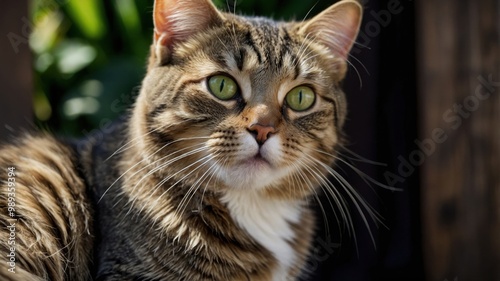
column 239, row 102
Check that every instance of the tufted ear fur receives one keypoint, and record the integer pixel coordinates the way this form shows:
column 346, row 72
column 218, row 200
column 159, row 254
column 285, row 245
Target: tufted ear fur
column 336, row 27
column 176, row 20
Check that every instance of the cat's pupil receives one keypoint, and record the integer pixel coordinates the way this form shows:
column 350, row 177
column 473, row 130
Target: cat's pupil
column 300, row 97
column 222, row 85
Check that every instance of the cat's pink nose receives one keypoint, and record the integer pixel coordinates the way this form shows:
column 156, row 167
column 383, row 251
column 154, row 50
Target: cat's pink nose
column 261, row 132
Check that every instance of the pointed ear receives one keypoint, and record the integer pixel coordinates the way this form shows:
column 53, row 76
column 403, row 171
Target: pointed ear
column 336, row 27
column 177, row 20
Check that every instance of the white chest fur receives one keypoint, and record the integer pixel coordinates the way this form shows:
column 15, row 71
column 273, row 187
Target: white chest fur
column 268, row 222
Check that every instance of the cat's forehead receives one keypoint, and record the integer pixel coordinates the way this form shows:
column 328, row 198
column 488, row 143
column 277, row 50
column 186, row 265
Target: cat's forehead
column 261, row 46
column 267, row 26
column 263, row 37
column 264, row 28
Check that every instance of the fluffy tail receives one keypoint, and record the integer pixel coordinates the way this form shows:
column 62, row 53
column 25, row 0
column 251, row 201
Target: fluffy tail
column 44, row 212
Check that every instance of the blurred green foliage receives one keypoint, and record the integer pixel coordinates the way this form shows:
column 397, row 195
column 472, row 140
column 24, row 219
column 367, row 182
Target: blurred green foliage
column 90, row 56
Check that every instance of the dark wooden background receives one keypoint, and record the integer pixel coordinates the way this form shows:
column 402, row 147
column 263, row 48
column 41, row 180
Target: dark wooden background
column 459, row 52
column 16, row 79
column 428, row 107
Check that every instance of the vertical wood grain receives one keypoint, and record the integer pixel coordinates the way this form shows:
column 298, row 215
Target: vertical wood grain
column 459, row 89
column 16, row 79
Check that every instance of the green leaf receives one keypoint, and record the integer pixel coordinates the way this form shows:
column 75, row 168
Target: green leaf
column 88, row 15
column 129, row 18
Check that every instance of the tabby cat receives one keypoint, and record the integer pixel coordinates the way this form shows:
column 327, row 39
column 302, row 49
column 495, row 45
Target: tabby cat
column 209, row 177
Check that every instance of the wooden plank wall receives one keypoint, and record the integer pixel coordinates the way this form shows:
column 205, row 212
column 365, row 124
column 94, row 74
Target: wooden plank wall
column 459, row 89
column 16, row 79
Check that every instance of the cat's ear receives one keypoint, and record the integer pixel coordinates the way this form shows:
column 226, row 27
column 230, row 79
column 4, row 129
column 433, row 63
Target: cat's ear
column 336, row 27
column 177, row 20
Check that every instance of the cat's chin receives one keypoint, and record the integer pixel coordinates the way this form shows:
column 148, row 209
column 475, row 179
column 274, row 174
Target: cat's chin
column 257, row 162
column 253, row 167
column 253, row 173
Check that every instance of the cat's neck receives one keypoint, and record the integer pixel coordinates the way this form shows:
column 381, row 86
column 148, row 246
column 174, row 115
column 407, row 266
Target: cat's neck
column 269, row 222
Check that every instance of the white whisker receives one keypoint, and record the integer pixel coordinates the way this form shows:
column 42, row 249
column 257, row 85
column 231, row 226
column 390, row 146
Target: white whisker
column 311, row 186
column 356, row 199
column 163, row 181
column 137, row 138
column 146, row 158
column 193, row 189
column 362, row 175
column 161, row 166
column 336, row 196
column 356, row 157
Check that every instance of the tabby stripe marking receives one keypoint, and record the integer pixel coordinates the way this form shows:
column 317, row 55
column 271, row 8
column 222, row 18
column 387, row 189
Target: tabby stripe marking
column 250, row 42
column 335, row 110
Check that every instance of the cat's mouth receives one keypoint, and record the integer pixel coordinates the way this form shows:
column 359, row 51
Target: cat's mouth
column 259, row 157
column 258, row 160
column 255, row 168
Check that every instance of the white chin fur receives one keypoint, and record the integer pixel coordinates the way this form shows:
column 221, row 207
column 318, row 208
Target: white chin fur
column 248, row 173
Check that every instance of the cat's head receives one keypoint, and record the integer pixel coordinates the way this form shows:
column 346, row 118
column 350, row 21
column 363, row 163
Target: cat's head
column 244, row 102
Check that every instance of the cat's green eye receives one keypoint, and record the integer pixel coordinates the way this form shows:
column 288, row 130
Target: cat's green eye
column 222, row 86
column 300, row 98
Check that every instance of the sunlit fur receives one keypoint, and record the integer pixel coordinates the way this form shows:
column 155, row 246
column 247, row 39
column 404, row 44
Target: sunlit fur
column 54, row 216
column 184, row 188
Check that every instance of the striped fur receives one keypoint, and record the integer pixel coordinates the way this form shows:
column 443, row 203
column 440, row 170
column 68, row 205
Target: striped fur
column 188, row 187
column 54, row 217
